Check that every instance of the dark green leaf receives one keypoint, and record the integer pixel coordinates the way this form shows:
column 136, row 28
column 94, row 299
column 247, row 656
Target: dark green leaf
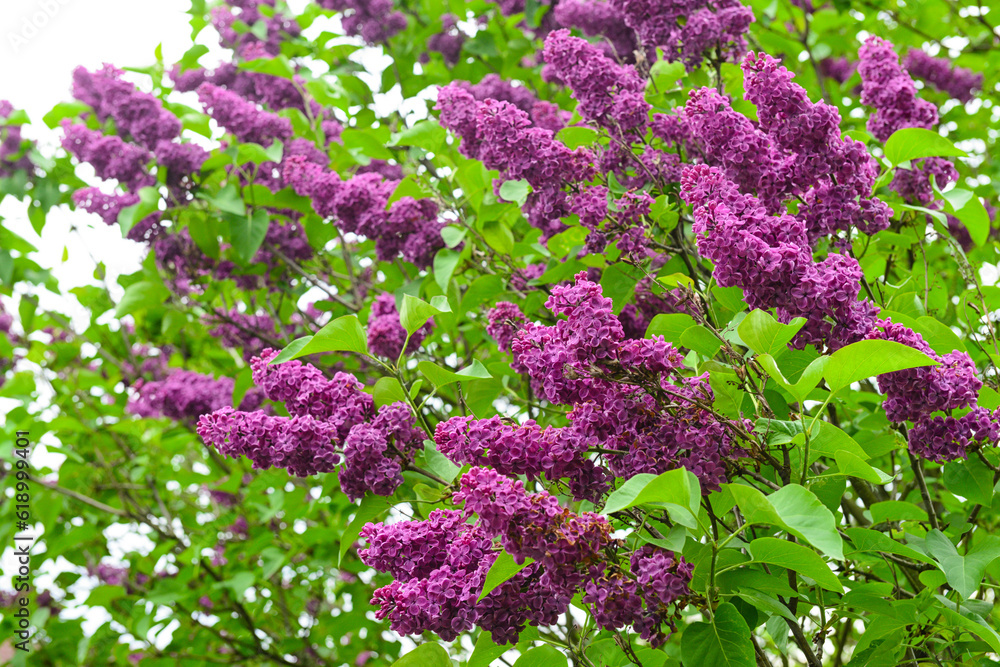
column 724, row 641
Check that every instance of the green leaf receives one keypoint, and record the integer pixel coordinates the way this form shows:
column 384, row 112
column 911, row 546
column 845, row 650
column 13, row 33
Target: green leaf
column 498, row 236
column 515, row 191
column 248, row 234
column 618, row 283
column 701, row 340
column 912, row 143
column 807, row 381
column 670, row 325
column 438, row 463
column 676, row 487
column 868, row 358
column 371, row 507
column 865, row 539
column 576, row 136
column 442, row 377
column 896, row 510
column 61, row 111
column 725, row 641
column 415, row 312
column 149, row 203
column 344, row 334
column 562, row 243
column 542, row 656
column 854, row 466
column 973, row 623
column 227, row 200
column 665, row 75
column 426, row 134
column 445, row 262
column 388, row 391
column 964, row 573
column 797, row 558
column 140, row 296
column 794, row 509
column 502, row 570
column 765, row 335
column 430, row 654
column 970, row 479
column 486, row 651
column 968, row 208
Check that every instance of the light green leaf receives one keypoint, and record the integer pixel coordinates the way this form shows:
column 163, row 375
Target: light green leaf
column 677, row 487
column 794, row 509
column 970, row 479
column 896, row 510
column 430, row 654
column 498, row 236
column 486, row 651
column 542, row 656
column 807, row 381
column 140, row 296
column 765, row 335
column 973, row 623
column 502, row 570
column 426, row 134
column 442, row 377
column 797, row 558
column 415, row 312
column 445, row 262
column 964, row 573
column 868, row 358
column 576, row 136
column 149, row 203
column 515, row 191
column 371, row 507
column 388, row 391
column 865, row 539
column 912, row 143
column 853, row 465
column 670, row 325
column 248, row 234
column 968, row 208
column 343, row 334
column 725, row 641
column 227, row 200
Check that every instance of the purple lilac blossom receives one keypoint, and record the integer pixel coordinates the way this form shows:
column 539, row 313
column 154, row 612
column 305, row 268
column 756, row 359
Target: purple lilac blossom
column 958, row 82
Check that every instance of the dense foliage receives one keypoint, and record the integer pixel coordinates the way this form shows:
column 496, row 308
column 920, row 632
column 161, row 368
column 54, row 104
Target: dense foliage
column 599, row 332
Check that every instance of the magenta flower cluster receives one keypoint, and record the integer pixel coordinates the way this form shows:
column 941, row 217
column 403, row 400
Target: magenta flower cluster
column 958, row 82
column 612, row 385
column 332, row 421
column 186, row 395
column 688, row 30
column 439, row 566
column 887, row 87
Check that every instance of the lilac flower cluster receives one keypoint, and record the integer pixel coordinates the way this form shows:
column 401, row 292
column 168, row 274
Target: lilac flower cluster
column 887, row 87
column 611, row 382
column 917, row 392
column 543, row 114
column 599, row 18
column 770, row 256
column 13, row 156
column 839, row 69
column 500, row 135
column 525, row 449
column 947, row 438
column 137, row 115
column 332, row 421
column 375, row 21
column 448, row 42
column 439, row 565
column 795, row 151
column 243, row 331
column 409, row 228
column 386, row 335
column 958, row 82
column 687, row 30
column 185, row 395
column 243, row 118
column 111, row 156
column 108, row 207
column 278, row 27
column 609, row 94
